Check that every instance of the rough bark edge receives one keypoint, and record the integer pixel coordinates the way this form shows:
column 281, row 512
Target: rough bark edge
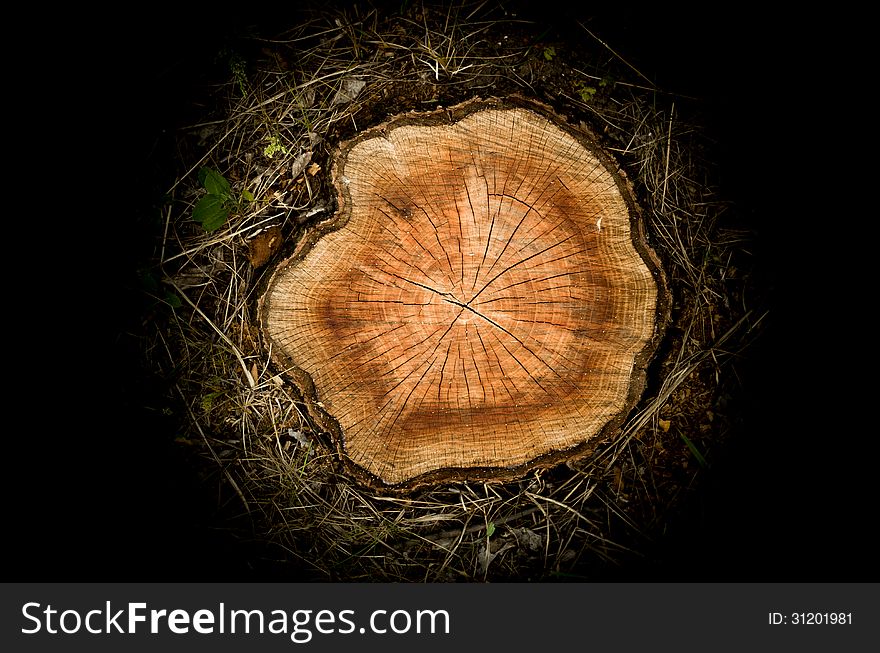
column 303, row 382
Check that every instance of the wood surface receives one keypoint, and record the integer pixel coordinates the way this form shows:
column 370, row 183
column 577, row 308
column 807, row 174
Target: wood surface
column 482, row 302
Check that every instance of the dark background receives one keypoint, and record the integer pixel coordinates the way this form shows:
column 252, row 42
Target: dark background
column 96, row 495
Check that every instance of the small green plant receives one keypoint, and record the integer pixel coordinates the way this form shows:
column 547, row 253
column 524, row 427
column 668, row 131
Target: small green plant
column 213, row 209
column 586, row 92
column 150, row 285
column 694, row 451
column 172, row 300
column 274, row 147
column 238, row 70
column 208, row 400
column 549, row 52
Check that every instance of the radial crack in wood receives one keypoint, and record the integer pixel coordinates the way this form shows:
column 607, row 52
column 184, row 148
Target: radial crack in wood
column 482, row 302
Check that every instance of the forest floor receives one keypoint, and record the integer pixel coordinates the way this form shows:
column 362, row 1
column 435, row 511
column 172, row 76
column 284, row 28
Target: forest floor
column 217, row 475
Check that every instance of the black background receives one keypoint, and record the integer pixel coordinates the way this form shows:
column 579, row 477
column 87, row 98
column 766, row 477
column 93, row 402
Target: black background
column 95, row 495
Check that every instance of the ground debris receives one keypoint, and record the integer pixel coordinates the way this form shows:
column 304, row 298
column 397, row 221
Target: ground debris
column 306, row 507
column 263, row 246
column 348, row 91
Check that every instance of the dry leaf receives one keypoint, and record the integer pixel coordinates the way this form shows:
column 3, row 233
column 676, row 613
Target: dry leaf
column 348, row 91
column 264, row 246
column 299, row 164
column 528, row 539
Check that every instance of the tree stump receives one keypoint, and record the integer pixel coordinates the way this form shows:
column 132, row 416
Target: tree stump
column 482, row 303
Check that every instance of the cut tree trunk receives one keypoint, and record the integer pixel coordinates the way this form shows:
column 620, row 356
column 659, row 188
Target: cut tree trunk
column 482, row 303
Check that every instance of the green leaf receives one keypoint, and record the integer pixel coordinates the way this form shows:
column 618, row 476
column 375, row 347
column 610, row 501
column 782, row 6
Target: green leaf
column 214, row 222
column 587, row 93
column 208, row 400
column 249, row 196
column 275, row 145
column 148, row 281
column 211, row 210
column 549, row 52
column 694, row 450
column 173, row 300
column 214, row 182
column 490, row 529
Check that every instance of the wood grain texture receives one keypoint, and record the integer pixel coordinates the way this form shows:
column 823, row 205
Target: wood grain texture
column 482, row 301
